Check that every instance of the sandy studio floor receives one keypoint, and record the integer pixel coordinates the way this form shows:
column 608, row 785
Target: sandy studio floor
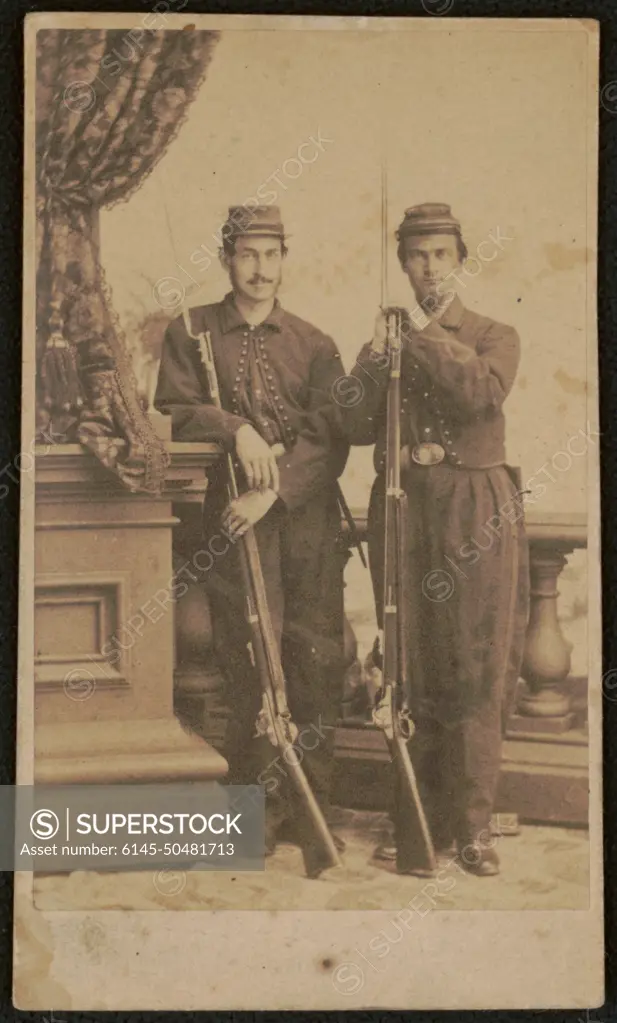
column 541, row 868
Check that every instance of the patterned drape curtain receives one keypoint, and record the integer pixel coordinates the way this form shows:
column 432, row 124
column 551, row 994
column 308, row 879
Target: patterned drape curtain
column 107, row 106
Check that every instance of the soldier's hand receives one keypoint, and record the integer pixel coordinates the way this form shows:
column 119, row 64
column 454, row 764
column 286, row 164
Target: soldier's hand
column 380, row 333
column 257, row 459
column 246, row 510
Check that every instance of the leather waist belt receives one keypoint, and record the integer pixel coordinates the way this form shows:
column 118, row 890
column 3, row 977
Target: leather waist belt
column 421, row 469
column 455, row 465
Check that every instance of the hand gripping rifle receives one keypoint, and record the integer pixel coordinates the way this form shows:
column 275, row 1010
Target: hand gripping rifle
column 274, row 719
column 414, row 846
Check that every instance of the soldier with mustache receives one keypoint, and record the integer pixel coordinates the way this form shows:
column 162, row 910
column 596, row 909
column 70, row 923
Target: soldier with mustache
column 277, row 375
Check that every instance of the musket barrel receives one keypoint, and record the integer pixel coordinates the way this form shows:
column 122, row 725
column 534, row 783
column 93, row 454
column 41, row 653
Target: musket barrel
column 414, row 844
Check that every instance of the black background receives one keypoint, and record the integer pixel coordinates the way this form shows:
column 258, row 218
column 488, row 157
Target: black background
column 11, row 146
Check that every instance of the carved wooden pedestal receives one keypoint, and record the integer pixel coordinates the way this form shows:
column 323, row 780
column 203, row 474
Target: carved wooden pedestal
column 104, row 625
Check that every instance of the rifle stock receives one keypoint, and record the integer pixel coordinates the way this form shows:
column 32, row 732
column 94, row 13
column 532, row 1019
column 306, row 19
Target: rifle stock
column 414, row 844
column 318, row 848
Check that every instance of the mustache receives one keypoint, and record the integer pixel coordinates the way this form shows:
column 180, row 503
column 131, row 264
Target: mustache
column 258, row 279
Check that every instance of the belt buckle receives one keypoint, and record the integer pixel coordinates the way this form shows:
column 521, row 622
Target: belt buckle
column 428, row 453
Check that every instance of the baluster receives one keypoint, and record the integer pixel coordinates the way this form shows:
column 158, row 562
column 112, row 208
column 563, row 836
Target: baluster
column 544, row 705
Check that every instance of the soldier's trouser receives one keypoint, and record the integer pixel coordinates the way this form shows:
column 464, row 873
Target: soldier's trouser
column 466, row 603
column 457, row 769
column 302, row 560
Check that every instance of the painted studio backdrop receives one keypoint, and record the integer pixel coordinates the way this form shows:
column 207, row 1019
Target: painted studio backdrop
column 303, row 119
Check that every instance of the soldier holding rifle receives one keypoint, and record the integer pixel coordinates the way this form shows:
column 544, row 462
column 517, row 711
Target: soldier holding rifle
column 277, row 417
column 466, row 557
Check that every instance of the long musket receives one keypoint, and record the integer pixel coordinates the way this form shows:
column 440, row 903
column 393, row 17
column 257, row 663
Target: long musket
column 414, row 846
column 318, row 848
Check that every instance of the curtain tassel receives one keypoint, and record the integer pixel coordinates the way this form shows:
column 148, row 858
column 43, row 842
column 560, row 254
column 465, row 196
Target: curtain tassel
column 60, row 376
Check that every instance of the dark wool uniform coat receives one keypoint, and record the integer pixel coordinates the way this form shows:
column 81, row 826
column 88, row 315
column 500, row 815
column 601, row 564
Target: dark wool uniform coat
column 467, row 555
column 279, row 377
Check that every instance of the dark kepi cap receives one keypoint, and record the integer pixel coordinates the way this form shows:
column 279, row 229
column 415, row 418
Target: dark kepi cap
column 428, row 218
column 243, row 220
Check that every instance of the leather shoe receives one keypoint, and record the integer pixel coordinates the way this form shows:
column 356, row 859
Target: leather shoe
column 479, row 860
column 385, row 852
